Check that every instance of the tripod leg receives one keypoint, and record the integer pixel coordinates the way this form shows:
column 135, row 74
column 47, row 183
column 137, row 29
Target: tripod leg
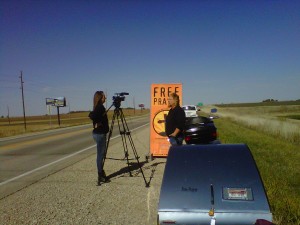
column 108, row 139
column 119, row 113
column 125, row 147
column 127, row 132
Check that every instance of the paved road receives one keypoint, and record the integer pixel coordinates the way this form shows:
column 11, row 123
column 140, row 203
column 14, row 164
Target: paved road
column 71, row 196
column 26, row 159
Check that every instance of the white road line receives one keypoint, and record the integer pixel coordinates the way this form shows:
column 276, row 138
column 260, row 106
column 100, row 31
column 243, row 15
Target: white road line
column 61, row 159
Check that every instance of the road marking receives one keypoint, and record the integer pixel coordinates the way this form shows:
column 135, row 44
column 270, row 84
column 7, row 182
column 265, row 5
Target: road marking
column 61, row 159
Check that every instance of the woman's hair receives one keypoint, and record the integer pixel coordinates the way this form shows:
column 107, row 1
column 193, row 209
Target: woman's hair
column 97, row 97
column 176, row 98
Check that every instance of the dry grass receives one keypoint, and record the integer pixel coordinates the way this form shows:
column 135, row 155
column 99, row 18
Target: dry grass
column 278, row 163
column 15, row 126
column 272, row 120
column 273, row 135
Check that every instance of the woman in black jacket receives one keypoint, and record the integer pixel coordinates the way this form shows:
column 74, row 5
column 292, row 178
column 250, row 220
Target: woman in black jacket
column 101, row 128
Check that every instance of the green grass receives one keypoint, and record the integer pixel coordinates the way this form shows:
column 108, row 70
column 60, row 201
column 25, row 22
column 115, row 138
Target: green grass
column 293, row 117
column 268, row 119
column 275, row 103
column 279, row 165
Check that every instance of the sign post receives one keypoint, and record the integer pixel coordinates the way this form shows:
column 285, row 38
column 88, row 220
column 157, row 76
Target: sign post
column 159, row 144
column 142, row 106
column 58, row 102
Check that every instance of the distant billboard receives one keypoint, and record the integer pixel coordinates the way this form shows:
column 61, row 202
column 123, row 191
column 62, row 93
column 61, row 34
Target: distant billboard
column 58, row 102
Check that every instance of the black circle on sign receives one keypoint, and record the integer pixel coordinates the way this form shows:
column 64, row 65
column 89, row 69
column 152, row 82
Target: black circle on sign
column 159, row 121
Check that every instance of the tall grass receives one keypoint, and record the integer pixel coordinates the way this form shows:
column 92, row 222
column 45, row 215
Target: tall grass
column 270, row 120
column 278, row 162
column 274, row 140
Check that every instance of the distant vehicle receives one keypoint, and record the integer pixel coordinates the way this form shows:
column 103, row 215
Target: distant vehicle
column 190, row 110
column 200, row 130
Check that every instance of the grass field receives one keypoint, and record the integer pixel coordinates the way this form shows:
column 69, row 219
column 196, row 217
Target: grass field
column 279, row 164
column 279, row 121
column 15, row 126
column 273, row 137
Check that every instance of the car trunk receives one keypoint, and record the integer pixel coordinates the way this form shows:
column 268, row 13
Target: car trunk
column 212, row 184
column 200, row 130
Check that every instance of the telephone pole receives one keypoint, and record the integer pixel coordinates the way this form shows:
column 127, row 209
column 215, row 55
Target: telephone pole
column 8, row 115
column 23, row 99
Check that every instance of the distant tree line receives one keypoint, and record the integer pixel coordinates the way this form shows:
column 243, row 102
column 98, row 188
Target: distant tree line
column 270, row 100
column 274, row 100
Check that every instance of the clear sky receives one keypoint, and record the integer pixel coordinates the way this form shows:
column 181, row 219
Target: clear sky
column 221, row 51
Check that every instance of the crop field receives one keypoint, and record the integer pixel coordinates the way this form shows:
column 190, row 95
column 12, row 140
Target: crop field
column 273, row 135
column 15, row 125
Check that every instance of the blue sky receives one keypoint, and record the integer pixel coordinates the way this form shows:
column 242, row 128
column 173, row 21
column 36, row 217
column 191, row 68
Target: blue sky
column 221, row 51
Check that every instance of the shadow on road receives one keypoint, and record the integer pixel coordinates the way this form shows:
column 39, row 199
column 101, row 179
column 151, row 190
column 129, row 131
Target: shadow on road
column 134, row 170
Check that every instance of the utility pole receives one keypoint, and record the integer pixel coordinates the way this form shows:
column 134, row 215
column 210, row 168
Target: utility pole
column 133, row 106
column 58, row 117
column 106, row 97
column 8, row 115
column 23, row 99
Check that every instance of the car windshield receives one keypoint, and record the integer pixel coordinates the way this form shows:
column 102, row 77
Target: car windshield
column 189, row 108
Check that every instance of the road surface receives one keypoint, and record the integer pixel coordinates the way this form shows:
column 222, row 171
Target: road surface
column 71, row 196
column 27, row 159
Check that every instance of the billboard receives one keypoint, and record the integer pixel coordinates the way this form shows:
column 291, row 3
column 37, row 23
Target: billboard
column 59, row 102
column 159, row 144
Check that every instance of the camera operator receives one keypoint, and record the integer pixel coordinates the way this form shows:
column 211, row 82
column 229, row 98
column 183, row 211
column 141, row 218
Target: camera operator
column 100, row 130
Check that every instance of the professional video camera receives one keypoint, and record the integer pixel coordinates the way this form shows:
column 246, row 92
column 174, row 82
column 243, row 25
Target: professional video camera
column 118, row 98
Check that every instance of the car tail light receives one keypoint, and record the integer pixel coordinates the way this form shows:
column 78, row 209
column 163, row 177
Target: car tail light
column 187, row 138
column 214, row 134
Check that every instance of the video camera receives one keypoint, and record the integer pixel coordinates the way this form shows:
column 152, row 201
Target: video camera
column 118, row 98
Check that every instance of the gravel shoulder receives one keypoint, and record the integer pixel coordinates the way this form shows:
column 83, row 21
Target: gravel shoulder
column 71, row 196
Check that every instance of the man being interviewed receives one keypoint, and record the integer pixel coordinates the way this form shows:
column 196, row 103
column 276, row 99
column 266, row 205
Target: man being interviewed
column 175, row 120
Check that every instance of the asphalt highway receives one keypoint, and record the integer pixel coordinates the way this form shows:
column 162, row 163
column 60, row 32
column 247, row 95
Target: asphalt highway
column 26, row 159
column 71, row 194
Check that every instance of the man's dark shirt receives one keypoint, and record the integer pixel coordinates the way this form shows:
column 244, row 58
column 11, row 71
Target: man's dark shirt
column 175, row 119
column 101, row 120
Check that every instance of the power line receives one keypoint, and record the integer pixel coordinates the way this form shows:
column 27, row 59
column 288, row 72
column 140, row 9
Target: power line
column 9, row 81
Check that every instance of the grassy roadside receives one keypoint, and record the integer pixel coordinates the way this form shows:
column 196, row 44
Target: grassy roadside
column 279, row 164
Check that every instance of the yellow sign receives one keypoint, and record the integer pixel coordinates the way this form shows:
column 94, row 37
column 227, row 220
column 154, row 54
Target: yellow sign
column 159, row 144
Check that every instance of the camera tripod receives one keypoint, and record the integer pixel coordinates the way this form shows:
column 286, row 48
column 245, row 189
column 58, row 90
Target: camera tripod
column 124, row 131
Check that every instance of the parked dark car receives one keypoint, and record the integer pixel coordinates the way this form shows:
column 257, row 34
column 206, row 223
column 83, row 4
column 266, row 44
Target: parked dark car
column 200, row 130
